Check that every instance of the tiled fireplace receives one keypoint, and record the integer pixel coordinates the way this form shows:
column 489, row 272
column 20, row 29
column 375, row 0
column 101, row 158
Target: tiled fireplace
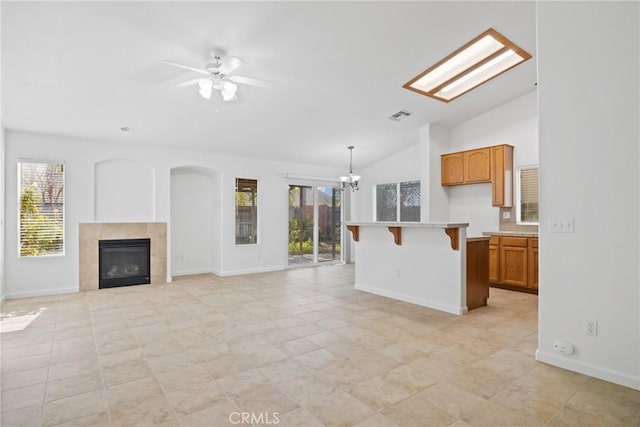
column 91, row 234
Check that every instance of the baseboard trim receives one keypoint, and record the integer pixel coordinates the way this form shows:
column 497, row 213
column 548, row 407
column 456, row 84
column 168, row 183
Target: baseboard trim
column 599, row 372
column 191, row 272
column 413, row 300
column 41, row 293
column 251, row 271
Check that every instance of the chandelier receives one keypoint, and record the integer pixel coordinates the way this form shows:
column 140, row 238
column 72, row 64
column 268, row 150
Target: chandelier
column 351, row 180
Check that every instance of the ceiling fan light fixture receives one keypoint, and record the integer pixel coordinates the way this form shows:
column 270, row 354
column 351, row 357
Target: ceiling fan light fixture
column 205, row 88
column 228, row 90
column 478, row 61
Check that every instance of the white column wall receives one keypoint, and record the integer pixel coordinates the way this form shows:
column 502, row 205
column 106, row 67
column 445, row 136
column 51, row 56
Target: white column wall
column 588, row 71
column 2, row 211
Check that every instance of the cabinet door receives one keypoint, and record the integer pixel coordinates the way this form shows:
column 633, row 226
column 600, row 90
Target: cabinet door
column 502, row 175
column 513, row 265
column 452, row 169
column 533, row 264
column 494, row 263
column 477, row 166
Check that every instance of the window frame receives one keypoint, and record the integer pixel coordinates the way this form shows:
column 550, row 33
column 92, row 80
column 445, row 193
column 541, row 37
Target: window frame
column 19, row 163
column 398, row 201
column 258, row 201
column 518, row 195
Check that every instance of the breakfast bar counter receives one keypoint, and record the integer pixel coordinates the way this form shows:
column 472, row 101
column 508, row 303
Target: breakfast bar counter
column 420, row 263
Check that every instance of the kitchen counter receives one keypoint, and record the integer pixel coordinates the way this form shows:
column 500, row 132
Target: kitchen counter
column 420, row 263
column 511, row 233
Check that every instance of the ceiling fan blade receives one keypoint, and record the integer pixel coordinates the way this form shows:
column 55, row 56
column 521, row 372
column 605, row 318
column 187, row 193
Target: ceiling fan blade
column 250, row 81
column 229, row 64
column 186, row 67
column 189, row 83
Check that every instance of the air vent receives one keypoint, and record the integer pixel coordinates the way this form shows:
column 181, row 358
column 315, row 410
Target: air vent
column 399, row 115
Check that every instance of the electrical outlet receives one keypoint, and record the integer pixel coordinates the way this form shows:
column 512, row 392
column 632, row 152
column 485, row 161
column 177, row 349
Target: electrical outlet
column 506, row 215
column 591, row 328
column 563, row 347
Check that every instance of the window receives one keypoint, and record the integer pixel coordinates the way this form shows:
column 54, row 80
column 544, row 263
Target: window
column 246, row 211
column 41, row 219
column 527, row 198
column 387, row 207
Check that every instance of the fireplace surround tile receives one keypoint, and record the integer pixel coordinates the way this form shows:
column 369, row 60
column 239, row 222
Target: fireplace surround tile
column 91, row 233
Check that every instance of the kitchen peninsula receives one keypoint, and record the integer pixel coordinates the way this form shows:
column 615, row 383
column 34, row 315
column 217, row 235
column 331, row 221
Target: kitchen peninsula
column 429, row 264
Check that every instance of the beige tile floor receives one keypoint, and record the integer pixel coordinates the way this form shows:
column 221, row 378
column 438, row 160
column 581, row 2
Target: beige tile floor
column 299, row 347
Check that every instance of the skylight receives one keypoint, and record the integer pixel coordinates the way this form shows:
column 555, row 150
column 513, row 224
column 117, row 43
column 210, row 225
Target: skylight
column 483, row 58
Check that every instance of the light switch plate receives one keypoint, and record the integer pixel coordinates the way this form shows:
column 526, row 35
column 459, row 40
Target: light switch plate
column 563, row 225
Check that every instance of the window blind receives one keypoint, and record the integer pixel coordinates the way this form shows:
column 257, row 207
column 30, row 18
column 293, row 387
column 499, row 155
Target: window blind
column 529, row 198
column 41, row 220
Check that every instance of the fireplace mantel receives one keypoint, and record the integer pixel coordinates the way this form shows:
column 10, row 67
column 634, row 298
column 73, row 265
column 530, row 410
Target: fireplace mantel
column 90, row 233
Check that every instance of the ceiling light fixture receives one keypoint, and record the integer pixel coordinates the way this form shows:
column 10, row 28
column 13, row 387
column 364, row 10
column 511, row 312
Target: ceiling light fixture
column 483, row 58
column 351, row 180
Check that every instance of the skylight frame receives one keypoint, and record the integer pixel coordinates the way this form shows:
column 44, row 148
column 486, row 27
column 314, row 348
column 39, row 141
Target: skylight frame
column 434, row 92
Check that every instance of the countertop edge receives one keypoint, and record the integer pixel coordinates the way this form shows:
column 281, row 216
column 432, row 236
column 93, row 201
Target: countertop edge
column 411, row 224
column 511, row 233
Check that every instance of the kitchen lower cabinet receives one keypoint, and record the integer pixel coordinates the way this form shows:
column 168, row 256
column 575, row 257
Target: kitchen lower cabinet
column 533, row 264
column 494, row 259
column 513, row 262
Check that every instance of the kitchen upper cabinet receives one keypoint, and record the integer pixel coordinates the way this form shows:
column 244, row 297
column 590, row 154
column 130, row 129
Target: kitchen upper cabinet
column 477, row 166
column 452, row 169
column 502, row 175
column 487, row 164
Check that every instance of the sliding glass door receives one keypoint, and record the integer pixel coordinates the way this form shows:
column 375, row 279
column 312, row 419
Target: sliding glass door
column 329, row 229
column 314, row 224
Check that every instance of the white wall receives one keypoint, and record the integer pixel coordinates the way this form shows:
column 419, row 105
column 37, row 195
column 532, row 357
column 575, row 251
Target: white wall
column 514, row 123
column 36, row 276
column 193, row 204
column 2, row 214
column 434, row 140
column 122, row 191
column 589, row 155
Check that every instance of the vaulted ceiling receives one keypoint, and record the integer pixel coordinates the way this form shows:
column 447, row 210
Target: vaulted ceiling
column 86, row 69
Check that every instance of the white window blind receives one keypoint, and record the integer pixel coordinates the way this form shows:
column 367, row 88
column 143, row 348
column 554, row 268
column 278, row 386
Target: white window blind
column 529, row 198
column 41, row 201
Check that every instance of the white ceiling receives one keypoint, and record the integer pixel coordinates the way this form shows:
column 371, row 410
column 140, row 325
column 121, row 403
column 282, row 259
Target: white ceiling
column 85, row 69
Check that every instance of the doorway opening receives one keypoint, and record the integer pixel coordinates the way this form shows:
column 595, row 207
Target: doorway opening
column 315, row 225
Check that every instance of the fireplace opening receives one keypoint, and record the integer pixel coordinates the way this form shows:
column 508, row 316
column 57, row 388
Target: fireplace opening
column 124, row 262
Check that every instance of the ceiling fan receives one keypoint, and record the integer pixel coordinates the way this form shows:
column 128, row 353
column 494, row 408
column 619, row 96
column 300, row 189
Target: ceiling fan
column 218, row 76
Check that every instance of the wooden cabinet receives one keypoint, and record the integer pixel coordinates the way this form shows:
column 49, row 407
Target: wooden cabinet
column 513, row 262
column 502, row 175
column 494, row 259
column 477, row 272
column 487, row 164
column 452, row 169
column 533, row 264
column 477, row 166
